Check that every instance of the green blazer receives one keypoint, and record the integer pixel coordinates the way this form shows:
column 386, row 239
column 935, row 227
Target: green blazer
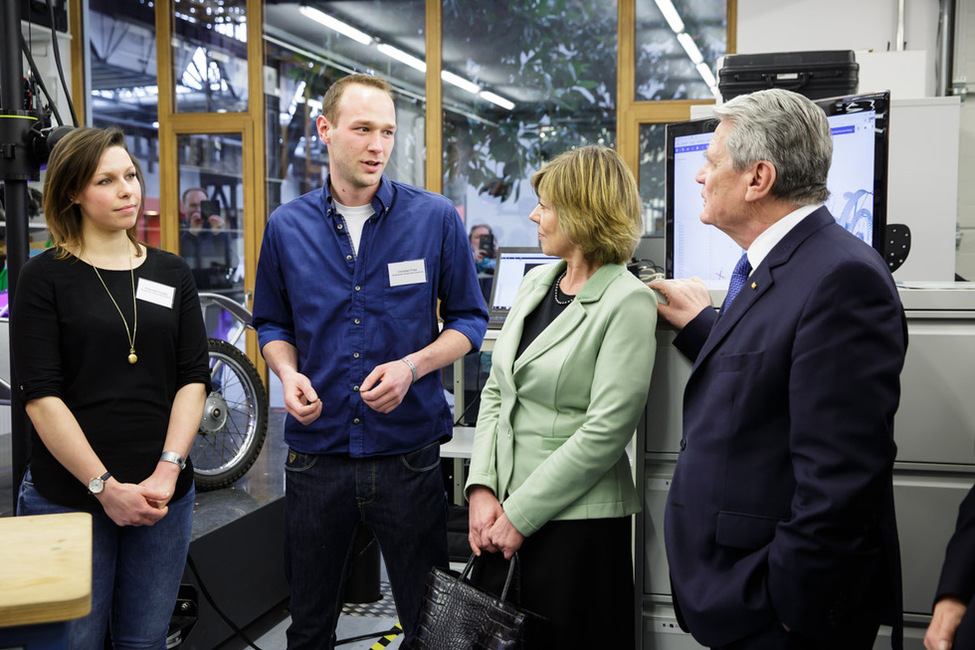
column 553, row 424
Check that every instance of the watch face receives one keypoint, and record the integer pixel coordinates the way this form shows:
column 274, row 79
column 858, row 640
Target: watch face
column 96, row 485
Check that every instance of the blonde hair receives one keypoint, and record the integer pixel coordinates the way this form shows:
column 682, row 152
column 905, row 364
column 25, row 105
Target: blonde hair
column 330, row 102
column 597, row 201
column 73, row 162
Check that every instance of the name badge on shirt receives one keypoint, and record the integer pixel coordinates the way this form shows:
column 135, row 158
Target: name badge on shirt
column 409, row 272
column 156, row 293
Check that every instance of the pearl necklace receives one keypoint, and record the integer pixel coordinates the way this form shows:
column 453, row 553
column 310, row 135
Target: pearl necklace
column 556, row 292
column 135, row 311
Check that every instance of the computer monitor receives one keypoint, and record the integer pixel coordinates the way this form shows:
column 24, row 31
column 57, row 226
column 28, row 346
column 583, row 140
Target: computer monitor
column 512, row 265
column 857, row 183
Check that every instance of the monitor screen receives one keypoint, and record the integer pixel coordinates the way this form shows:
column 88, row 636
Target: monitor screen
column 512, row 266
column 857, row 184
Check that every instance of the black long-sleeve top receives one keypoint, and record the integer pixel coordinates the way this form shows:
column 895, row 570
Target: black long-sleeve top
column 69, row 342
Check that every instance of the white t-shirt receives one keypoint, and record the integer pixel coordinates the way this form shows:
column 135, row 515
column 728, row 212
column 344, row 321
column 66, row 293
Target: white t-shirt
column 355, row 217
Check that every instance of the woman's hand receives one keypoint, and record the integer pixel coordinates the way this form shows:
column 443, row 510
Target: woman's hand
column 505, row 537
column 484, row 511
column 128, row 504
column 162, row 482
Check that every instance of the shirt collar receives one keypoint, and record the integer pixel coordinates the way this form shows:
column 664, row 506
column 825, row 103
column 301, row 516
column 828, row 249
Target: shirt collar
column 380, row 202
column 775, row 233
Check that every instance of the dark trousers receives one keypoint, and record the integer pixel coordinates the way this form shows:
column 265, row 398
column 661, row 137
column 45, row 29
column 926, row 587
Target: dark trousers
column 403, row 500
column 578, row 576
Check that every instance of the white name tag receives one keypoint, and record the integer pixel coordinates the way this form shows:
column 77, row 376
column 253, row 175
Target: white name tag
column 409, row 272
column 156, row 293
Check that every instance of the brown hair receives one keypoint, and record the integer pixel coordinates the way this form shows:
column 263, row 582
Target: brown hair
column 330, row 102
column 73, row 162
column 597, row 201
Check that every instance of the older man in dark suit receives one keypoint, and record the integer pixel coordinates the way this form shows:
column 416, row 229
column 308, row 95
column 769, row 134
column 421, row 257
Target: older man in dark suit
column 780, row 523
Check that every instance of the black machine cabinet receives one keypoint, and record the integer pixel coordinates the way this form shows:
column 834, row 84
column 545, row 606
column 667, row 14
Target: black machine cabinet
column 817, row 75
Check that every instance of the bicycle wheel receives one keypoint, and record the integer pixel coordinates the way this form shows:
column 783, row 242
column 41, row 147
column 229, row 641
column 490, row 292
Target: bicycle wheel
column 234, row 422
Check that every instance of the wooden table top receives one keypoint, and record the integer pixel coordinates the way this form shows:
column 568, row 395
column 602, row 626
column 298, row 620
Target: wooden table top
column 45, row 568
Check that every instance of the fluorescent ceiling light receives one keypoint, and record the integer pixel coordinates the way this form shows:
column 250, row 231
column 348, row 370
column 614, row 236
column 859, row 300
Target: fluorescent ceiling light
column 670, row 14
column 336, row 25
column 402, row 57
column 706, row 74
column 688, row 44
column 460, row 82
column 497, row 99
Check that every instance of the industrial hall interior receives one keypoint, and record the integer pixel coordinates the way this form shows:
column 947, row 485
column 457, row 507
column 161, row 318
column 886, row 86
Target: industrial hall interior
column 420, row 324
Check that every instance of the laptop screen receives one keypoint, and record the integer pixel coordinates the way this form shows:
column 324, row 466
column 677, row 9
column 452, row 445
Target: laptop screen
column 511, row 267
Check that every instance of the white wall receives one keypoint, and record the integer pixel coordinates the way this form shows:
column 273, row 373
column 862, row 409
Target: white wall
column 869, row 27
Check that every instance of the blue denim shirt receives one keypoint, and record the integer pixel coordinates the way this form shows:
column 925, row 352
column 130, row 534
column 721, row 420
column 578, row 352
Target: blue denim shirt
column 345, row 317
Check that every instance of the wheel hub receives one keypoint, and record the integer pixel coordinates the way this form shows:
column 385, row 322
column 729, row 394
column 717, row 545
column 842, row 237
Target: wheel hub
column 214, row 414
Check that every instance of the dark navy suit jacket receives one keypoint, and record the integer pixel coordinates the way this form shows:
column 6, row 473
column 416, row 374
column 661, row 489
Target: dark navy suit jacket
column 781, row 507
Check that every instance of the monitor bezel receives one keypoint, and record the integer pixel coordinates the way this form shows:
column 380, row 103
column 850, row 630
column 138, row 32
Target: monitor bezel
column 878, row 101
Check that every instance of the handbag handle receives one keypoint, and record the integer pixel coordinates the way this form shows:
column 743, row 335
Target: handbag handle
column 466, row 573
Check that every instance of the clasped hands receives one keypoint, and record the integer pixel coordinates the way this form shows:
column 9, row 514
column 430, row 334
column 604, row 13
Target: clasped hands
column 490, row 528
column 382, row 390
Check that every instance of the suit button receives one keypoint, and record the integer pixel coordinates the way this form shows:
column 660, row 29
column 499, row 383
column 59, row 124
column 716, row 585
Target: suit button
column 683, row 444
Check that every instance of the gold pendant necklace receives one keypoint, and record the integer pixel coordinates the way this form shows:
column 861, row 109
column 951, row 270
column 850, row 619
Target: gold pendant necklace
column 135, row 310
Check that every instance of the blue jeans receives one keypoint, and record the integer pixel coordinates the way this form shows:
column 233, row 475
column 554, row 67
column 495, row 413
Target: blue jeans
column 402, row 498
column 135, row 575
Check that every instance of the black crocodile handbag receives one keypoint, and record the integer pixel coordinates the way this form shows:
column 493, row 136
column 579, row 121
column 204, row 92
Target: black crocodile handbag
column 459, row 616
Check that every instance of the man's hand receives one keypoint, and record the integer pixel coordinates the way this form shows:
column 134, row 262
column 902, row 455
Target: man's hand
column 483, row 512
column 384, row 388
column 948, row 613
column 685, row 299
column 300, row 399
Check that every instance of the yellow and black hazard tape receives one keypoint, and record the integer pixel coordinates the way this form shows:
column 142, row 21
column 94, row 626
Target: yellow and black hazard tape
column 387, row 639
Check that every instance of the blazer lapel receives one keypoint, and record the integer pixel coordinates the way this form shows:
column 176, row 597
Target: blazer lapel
column 569, row 319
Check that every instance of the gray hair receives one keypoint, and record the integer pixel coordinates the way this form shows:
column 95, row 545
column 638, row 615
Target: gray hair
column 787, row 130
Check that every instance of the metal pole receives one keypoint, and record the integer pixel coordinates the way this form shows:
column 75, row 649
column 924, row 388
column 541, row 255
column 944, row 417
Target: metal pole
column 16, row 201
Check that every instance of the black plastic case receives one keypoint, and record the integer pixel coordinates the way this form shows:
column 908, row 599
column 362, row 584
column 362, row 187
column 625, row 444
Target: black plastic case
column 817, row 75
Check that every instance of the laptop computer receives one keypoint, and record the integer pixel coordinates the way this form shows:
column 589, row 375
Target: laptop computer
column 512, row 265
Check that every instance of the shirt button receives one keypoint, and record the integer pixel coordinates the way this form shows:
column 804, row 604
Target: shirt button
column 355, row 355
column 348, row 257
column 356, row 321
column 355, row 421
column 340, row 226
column 355, row 388
column 358, row 288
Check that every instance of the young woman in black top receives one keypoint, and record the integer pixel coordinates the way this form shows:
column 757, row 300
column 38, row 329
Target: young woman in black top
column 111, row 355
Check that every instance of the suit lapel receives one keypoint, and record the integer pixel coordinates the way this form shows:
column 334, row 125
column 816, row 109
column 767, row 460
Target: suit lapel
column 762, row 279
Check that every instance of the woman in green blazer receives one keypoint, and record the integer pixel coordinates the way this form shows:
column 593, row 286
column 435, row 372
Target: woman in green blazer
column 570, row 373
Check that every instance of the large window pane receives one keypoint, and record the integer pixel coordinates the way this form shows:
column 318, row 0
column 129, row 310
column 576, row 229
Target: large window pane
column 651, row 176
column 678, row 43
column 306, row 54
column 210, row 56
column 211, row 235
column 530, row 80
column 124, row 91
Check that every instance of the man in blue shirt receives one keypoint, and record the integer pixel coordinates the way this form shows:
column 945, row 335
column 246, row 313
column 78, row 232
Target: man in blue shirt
column 346, row 308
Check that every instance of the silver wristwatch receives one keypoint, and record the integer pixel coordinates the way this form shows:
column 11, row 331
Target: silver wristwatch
column 173, row 457
column 97, row 484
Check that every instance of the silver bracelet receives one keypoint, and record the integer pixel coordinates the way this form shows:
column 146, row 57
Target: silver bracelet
column 416, row 375
column 173, row 457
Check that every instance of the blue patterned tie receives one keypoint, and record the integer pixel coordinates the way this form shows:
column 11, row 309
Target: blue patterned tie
column 738, row 277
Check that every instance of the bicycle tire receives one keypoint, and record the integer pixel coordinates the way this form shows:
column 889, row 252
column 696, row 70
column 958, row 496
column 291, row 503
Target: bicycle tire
column 234, row 423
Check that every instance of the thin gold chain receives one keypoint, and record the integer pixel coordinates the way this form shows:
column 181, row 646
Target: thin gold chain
column 135, row 311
